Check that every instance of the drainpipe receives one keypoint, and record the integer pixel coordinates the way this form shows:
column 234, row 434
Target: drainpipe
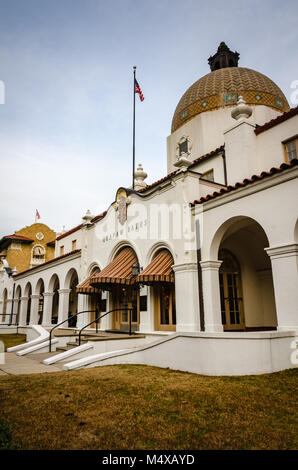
column 224, row 166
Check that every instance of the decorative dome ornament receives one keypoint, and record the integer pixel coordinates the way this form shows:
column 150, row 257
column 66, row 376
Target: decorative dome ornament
column 222, row 86
column 87, row 218
column 242, row 110
column 140, row 175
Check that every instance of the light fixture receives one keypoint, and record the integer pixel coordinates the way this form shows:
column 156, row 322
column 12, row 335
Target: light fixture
column 135, row 270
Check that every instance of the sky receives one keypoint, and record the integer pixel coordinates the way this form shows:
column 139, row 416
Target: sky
column 67, row 70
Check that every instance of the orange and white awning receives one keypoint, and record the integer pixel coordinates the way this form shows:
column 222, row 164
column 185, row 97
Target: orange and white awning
column 159, row 270
column 119, row 271
column 85, row 286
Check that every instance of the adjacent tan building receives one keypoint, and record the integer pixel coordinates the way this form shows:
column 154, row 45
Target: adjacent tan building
column 28, row 247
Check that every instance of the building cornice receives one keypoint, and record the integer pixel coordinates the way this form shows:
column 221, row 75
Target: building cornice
column 257, row 186
column 283, row 251
column 49, row 264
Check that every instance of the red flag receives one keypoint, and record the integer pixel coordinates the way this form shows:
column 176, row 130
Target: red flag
column 37, row 215
column 138, row 90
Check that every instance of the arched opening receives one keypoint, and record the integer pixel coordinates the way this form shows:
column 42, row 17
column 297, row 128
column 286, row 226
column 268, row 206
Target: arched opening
column 163, row 289
column 54, row 287
column 28, row 293
column 245, row 277
column 40, row 292
column 231, row 299
column 125, row 296
column 118, row 278
column 4, row 306
column 18, row 304
column 73, row 299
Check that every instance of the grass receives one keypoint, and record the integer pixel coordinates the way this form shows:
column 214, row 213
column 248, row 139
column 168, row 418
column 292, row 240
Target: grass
column 143, row 407
column 12, row 340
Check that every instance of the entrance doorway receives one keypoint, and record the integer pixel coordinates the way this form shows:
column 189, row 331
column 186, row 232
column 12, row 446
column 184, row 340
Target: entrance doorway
column 126, row 298
column 164, row 308
column 231, row 292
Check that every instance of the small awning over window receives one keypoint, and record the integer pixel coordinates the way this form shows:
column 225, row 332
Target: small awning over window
column 85, row 287
column 118, row 271
column 159, row 270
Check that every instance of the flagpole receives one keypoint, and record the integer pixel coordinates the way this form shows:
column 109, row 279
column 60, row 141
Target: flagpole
column 134, row 127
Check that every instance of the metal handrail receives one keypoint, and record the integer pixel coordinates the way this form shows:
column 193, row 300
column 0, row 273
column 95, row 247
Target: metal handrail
column 67, row 319
column 10, row 315
column 99, row 318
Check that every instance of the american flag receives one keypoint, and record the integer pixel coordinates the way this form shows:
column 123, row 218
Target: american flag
column 138, row 90
column 37, row 215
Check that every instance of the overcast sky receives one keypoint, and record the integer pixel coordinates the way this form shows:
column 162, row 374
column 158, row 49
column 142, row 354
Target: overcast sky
column 66, row 125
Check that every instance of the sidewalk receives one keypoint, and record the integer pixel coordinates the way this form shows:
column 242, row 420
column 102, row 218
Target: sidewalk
column 15, row 365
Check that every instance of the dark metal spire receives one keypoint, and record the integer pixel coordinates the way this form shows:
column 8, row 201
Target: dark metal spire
column 223, row 58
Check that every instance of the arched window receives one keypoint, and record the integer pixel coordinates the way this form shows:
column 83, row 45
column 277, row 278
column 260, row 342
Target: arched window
column 38, row 255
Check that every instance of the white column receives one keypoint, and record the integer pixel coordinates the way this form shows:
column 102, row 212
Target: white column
column 187, row 297
column 284, row 260
column 105, row 322
column 23, row 311
column 34, row 309
column 1, row 310
column 83, row 318
column 211, row 295
column 47, row 308
column 147, row 317
column 63, row 305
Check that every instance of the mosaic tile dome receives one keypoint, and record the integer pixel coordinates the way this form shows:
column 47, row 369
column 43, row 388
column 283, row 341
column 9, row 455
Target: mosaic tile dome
column 222, row 88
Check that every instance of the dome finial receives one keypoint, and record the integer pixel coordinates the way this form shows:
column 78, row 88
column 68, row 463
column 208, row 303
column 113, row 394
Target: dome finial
column 242, row 110
column 223, row 58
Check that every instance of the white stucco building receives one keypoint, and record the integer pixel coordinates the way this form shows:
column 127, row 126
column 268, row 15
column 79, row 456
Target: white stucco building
column 204, row 262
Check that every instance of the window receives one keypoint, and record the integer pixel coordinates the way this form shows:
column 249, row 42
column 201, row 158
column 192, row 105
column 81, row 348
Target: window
column 143, row 303
column 208, row 175
column 73, row 245
column 61, row 250
column 103, row 305
column 183, row 147
column 291, row 149
column 38, row 255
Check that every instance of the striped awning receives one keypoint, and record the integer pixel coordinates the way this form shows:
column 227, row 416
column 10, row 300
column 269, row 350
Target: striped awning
column 118, row 271
column 159, row 270
column 85, row 287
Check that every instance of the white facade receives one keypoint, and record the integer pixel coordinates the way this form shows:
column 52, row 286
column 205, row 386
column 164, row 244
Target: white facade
column 218, row 308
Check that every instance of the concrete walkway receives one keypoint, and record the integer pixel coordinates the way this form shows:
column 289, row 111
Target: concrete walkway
column 15, row 365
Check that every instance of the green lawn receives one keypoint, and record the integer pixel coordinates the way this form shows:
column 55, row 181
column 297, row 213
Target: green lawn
column 12, row 340
column 143, row 407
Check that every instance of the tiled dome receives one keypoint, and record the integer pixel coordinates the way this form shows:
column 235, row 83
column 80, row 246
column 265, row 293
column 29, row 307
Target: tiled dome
column 222, row 88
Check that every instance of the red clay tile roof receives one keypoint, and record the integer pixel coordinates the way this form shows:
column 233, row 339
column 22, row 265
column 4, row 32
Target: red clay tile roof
column 98, row 217
column 72, row 230
column 7, row 239
column 69, row 232
column 195, row 162
column 246, row 181
column 274, row 122
column 158, row 181
column 50, row 261
column 208, row 155
column 18, row 237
